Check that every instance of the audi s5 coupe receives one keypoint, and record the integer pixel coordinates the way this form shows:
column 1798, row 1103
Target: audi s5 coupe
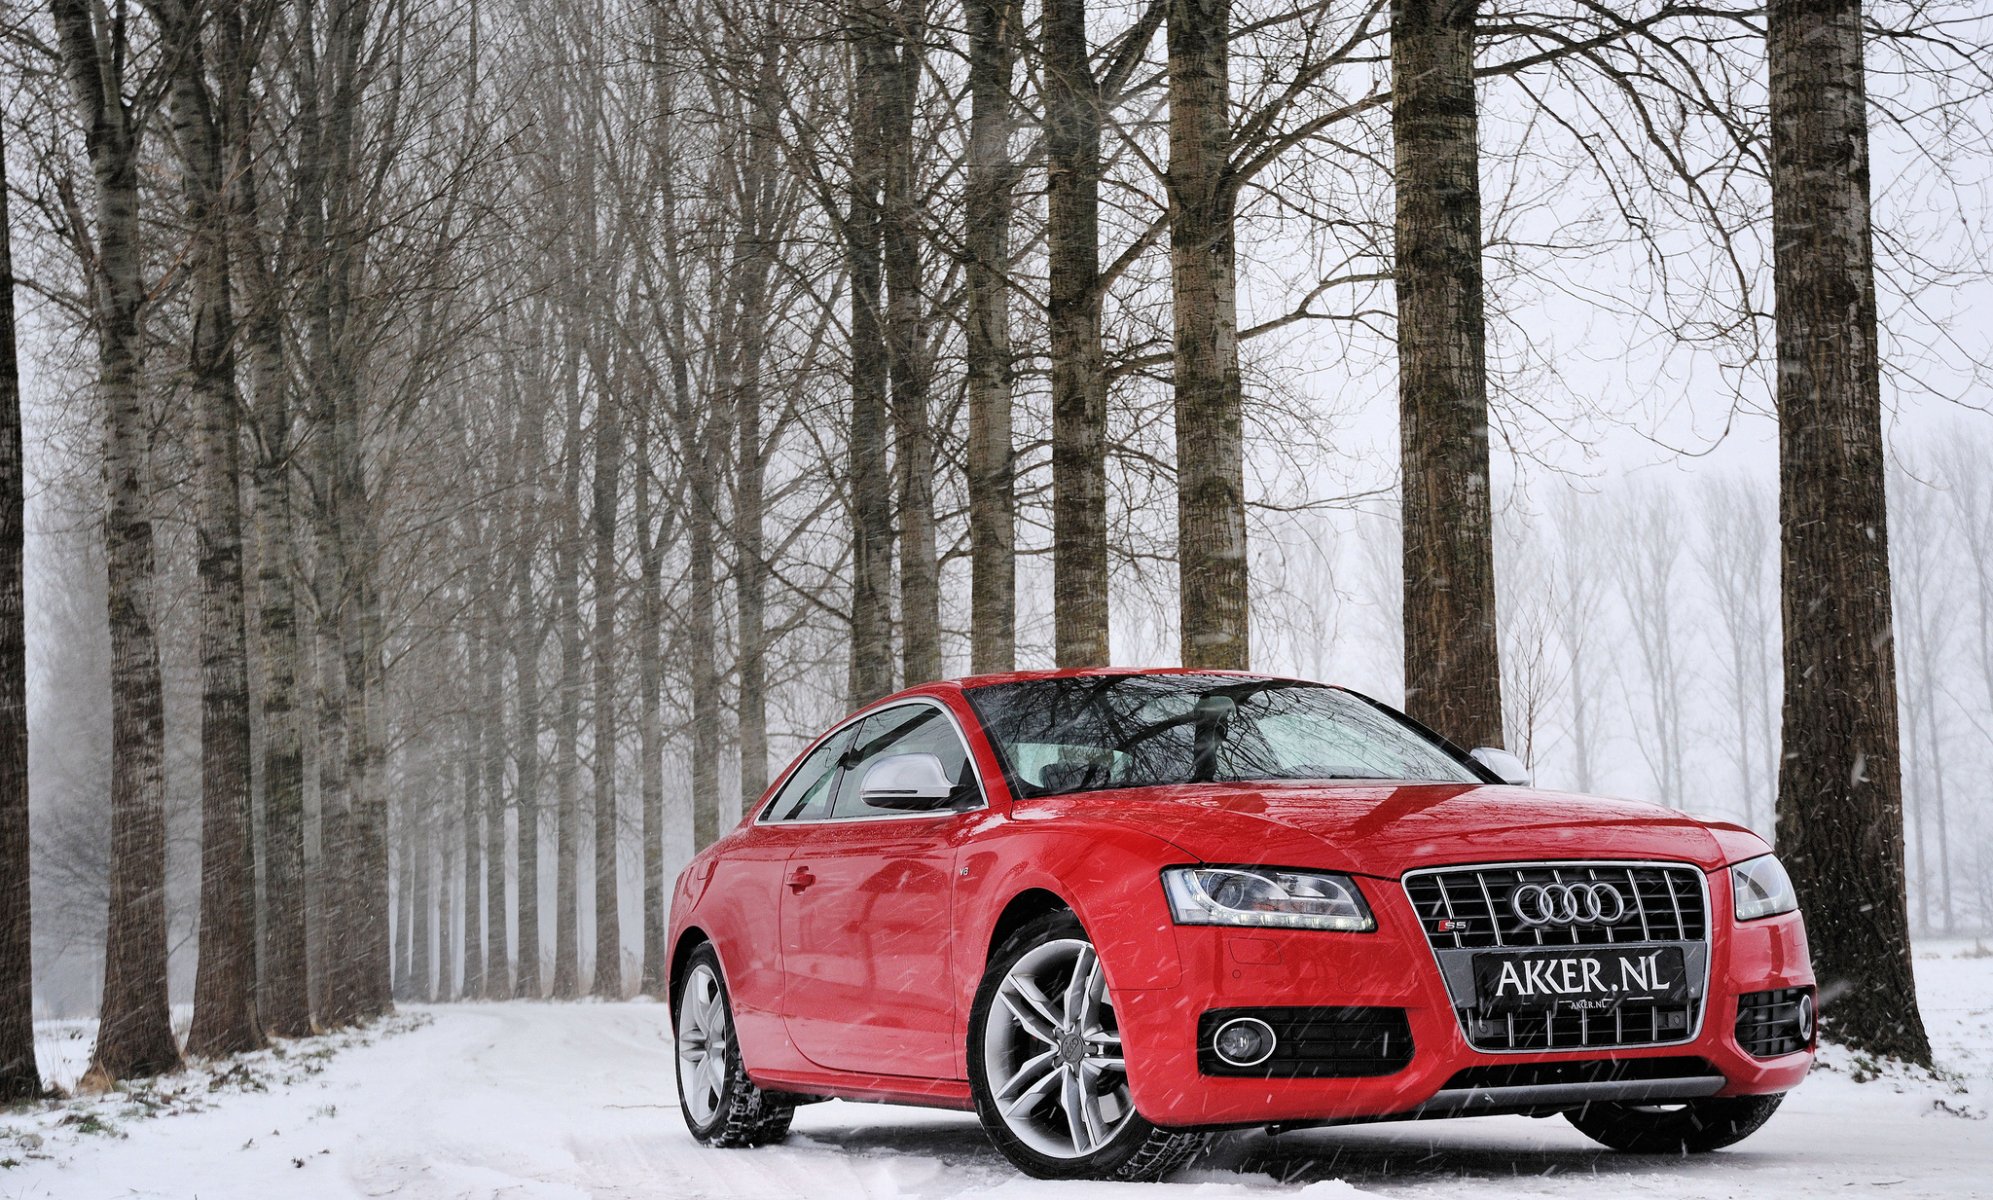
column 1113, row 911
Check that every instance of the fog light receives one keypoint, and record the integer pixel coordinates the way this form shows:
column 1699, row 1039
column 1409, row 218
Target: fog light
column 1805, row 1017
column 1243, row 1042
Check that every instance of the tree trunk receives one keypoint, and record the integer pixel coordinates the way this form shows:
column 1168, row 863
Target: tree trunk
column 904, row 32
column 650, row 719
column 475, row 803
column 19, row 1077
column 404, row 898
column 527, row 637
column 868, row 484
column 567, row 590
column 602, row 516
column 497, row 977
column 424, row 931
column 225, row 1019
column 1840, row 784
column 701, row 634
column 1080, row 611
column 135, row 1034
column 761, row 172
column 284, row 994
column 1210, row 446
column 1452, row 659
column 992, row 455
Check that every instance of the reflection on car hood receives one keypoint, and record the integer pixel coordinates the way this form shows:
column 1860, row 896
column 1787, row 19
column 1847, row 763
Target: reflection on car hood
column 1385, row 829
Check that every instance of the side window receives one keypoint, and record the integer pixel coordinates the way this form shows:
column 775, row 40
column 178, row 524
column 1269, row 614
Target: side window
column 904, row 729
column 805, row 795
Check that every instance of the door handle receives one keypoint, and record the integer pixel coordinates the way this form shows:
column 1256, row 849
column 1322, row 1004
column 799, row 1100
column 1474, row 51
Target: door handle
column 800, row 879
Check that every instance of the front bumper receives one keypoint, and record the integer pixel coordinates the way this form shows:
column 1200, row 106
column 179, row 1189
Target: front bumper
column 1393, row 968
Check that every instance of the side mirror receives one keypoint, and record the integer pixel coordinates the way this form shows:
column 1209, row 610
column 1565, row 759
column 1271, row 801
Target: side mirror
column 912, row 782
column 1505, row 766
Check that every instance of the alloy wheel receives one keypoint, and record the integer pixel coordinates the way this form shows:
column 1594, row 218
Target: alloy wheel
column 1052, row 1052
column 702, row 1044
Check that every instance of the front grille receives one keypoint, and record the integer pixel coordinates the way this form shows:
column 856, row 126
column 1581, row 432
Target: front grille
column 1626, row 1025
column 1770, row 1023
column 1320, row 1043
column 1469, row 908
column 1467, row 911
column 1593, row 1070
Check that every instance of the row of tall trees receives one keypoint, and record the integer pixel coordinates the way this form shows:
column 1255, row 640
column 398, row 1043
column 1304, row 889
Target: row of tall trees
column 571, row 402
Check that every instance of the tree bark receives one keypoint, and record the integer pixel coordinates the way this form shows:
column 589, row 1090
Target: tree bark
column 528, row 635
column 284, row 992
column 992, row 454
column 476, row 804
column 1210, row 446
column 1080, row 610
column 225, row 1018
column 608, row 981
column 497, row 975
column 1840, row 807
column 868, row 484
column 650, row 717
column 567, row 591
column 420, row 968
column 903, row 32
column 135, row 1034
column 19, row 1077
column 1452, row 658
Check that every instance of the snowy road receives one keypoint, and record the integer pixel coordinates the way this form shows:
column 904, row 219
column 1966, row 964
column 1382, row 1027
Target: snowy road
column 537, row 1102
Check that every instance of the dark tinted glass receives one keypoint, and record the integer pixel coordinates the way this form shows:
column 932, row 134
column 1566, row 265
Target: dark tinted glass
column 1092, row 732
column 903, row 729
column 805, row 795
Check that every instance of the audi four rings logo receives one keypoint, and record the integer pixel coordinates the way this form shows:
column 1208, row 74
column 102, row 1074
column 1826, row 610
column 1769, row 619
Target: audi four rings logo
column 1567, row 904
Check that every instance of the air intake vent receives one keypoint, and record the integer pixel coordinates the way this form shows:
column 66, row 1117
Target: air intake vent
column 1320, row 1043
column 1773, row 1023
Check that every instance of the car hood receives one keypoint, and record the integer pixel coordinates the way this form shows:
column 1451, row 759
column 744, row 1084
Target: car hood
column 1386, row 829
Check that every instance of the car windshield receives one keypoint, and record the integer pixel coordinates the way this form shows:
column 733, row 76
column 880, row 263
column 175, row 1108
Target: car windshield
column 1089, row 732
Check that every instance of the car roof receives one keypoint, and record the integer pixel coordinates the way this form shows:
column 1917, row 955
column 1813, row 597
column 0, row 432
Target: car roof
column 976, row 681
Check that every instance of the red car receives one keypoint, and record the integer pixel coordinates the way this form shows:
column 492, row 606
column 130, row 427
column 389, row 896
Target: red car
column 1112, row 911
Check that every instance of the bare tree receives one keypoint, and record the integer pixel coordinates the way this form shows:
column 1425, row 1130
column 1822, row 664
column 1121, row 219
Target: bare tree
column 875, row 62
column 994, row 33
column 1452, row 657
column 19, row 1077
column 1210, row 420
column 1646, row 557
column 225, row 1016
column 1072, row 103
column 1738, row 530
column 134, row 1036
column 1840, row 805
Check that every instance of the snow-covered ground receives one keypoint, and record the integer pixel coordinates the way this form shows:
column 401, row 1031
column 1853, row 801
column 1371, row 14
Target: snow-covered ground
column 541, row 1101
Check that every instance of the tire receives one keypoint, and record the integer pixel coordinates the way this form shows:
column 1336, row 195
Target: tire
column 1693, row 1127
column 721, row 1106
column 1023, row 1050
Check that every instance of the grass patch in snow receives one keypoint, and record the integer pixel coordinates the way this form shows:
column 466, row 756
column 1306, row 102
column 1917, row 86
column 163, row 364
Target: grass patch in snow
column 39, row 1130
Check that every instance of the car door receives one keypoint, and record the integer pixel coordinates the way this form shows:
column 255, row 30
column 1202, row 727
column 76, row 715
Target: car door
column 866, row 912
column 753, row 872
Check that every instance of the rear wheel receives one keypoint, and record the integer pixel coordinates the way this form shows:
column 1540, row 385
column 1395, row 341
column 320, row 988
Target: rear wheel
column 1692, row 1127
column 722, row 1107
column 1046, row 1069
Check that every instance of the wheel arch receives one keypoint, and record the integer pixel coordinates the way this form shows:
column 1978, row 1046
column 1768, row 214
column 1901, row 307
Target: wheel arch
column 1022, row 909
column 689, row 940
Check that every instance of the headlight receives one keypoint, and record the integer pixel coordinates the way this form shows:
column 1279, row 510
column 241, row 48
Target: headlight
column 1266, row 896
column 1763, row 888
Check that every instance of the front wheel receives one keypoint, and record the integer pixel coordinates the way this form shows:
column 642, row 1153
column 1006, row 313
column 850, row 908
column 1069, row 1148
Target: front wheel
column 1692, row 1127
column 1046, row 1069
column 722, row 1107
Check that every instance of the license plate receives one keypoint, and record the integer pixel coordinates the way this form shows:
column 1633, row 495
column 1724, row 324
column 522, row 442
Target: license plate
column 1593, row 979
